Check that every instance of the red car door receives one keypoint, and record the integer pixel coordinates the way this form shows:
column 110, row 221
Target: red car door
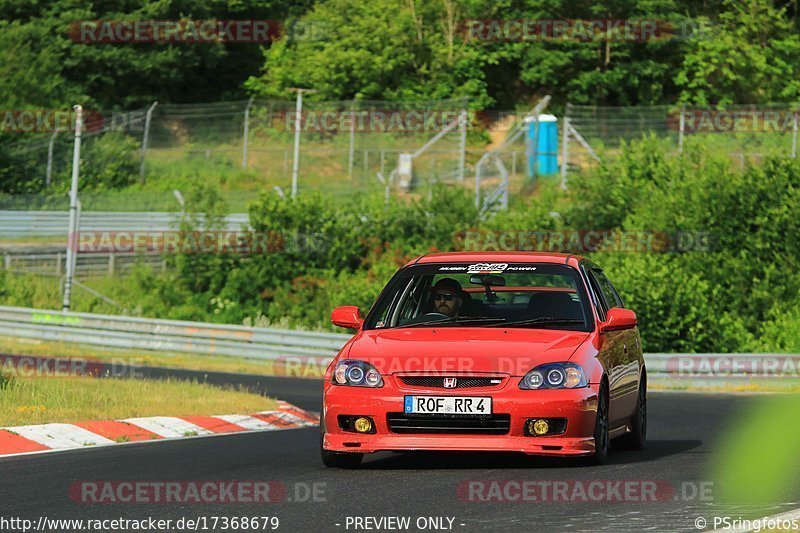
column 618, row 352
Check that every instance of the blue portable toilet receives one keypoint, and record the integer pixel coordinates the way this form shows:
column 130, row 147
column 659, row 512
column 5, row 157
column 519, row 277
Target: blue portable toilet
column 546, row 145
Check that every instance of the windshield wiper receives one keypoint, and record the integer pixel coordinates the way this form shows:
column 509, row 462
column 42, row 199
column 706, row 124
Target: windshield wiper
column 457, row 320
column 542, row 320
column 426, row 323
column 463, row 319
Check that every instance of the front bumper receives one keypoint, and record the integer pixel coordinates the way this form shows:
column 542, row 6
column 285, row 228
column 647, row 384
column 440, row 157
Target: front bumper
column 578, row 406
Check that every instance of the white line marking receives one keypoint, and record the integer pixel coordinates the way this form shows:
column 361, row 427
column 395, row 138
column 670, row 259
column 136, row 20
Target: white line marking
column 60, row 436
column 288, row 417
column 169, row 427
column 247, row 422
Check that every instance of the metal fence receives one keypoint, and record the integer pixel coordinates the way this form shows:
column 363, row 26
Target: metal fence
column 344, row 145
column 87, row 265
column 359, row 145
column 513, row 161
column 744, row 132
column 55, row 223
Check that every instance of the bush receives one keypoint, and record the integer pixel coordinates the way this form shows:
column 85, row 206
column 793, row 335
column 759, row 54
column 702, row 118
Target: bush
column 108, row 162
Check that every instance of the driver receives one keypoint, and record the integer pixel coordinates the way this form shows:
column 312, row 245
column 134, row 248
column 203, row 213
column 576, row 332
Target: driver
column 447, row 297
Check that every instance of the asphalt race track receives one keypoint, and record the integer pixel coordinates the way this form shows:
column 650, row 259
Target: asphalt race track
column 682, row 432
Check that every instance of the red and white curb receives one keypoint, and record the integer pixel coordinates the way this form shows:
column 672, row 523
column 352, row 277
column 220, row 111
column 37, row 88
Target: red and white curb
column 54, row 437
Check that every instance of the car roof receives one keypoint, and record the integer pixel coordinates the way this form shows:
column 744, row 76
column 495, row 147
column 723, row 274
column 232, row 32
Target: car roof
column 498, row 256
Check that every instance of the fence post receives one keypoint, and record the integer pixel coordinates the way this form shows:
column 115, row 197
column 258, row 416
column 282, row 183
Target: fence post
column 297, row 126
column 73, row 210
column 351, row 152
column 682, row 128
column 478, row 182
column 462, row 159
column 246, row 131
column 565, row 148
column 7, row 262
column 111, row 264
column 58, row 264
column 147, row 119
column 534, row 144
column 794, row 134
column 383, row 160
column 49, row 175
column 514, row 163
column 366, row 158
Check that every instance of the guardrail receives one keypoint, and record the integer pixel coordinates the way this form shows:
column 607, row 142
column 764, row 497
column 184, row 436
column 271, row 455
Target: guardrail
column 132, row 333
column 54, row 223
column 112, row 331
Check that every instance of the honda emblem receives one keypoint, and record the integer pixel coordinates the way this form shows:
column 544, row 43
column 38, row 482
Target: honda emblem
column 450, row 383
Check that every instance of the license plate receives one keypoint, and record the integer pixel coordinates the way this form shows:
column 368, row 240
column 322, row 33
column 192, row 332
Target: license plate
column 448, row 405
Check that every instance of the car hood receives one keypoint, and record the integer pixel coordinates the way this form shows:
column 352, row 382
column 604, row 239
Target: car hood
column 452, row 349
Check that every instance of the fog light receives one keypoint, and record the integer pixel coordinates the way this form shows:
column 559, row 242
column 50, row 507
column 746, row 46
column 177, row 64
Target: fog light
column 363, row 425
column 538, row 427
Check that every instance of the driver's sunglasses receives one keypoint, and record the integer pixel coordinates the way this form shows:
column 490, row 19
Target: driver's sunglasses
column 446, row 297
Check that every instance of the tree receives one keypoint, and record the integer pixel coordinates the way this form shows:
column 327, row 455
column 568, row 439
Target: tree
column 749, row 57
column 30, row 67
column 384, row 49
column 606, row 71
column 125, row 75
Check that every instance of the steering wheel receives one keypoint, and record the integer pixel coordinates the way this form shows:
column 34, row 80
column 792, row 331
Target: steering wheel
column 435, row 314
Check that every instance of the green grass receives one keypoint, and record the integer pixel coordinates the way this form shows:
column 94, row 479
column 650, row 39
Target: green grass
column 40, row 400
column 186, row 361
column 44, row 292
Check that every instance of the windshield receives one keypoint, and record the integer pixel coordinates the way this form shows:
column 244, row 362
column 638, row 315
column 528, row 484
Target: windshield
column 524, row 295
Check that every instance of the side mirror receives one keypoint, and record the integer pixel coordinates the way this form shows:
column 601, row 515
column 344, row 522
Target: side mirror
column 347, row 316
column 618, row 319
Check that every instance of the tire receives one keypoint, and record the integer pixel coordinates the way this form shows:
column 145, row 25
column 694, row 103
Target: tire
column 339, row 460
column 601, row 437
column 635, row 440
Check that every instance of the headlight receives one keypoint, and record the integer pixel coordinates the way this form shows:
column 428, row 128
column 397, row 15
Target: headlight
column 554, row 376
column 356, row 374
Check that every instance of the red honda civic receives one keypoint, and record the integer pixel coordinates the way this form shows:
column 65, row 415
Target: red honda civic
column 491, row 351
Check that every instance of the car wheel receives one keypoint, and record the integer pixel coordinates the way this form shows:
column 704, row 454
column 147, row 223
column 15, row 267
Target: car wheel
column 635, row 440
column 602, row 442
column 339, row 460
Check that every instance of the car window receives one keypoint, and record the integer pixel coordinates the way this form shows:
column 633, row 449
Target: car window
column 597, row 295
column 609, row 293
column 488, row 294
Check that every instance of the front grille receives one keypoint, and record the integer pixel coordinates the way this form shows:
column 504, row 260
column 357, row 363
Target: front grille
column 488, row 425
column 437, row 382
